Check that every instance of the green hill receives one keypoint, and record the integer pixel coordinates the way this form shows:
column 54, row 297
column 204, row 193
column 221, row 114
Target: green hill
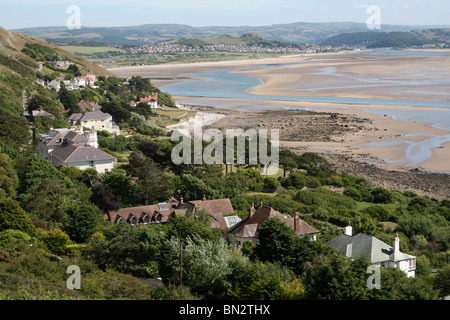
column 376, row 39
column 300, row 32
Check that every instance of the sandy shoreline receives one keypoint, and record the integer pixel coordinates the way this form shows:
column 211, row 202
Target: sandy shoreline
column 384, row 140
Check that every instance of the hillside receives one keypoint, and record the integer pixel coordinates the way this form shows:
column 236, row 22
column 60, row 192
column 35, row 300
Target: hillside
column 248, row 39
column 14, row 60
column 391, row 39
column 300, row 32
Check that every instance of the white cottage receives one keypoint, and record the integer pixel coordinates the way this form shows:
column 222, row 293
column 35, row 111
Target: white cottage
column 374, row 250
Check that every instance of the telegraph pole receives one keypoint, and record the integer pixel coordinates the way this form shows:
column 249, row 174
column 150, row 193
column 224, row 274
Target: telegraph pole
column 181, row 263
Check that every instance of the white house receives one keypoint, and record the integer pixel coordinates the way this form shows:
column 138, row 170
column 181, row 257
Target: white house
column 151, row 101
column 67, row 148
column 96, row 120
column 374, row 250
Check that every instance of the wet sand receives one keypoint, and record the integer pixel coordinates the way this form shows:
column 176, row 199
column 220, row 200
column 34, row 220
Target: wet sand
column 383, row 140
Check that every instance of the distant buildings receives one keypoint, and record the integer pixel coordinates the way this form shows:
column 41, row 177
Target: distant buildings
column 374, row 250
column 61, row 64
column 67, row 148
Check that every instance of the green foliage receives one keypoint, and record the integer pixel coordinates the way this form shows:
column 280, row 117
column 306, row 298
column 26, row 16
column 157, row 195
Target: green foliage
column 34, row 169
column 56, row 241
column 12, row 216
column 84, row 220
column 9, row 181
column 205, row 265
column 334, row 277
column 128, row 249
column 41, row 53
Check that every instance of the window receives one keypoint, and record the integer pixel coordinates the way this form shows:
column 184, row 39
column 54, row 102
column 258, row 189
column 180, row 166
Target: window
column 91, row 163
column 133, row 221
column 146, row 220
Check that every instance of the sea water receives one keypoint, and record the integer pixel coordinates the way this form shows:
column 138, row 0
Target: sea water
column 230, row 84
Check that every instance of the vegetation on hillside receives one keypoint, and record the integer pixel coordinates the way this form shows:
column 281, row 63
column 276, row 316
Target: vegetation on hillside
column 376, row 39
column 53, row 218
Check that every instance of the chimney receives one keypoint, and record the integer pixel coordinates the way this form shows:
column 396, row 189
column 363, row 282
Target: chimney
column 396, row 244
column 296, row 223
column 181, row 200
column 348, row 230
column 260, row 204
column 348, row 250
column 252, row 210
column 204, row 198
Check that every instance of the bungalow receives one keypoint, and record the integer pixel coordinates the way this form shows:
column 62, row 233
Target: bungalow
column 247, row 229
column 142, row 215
column 219, row 210
column 374, row 250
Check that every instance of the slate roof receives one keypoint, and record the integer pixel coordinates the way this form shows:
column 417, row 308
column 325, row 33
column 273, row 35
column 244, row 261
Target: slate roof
column 76, row 138
column 88, row 116
column 79, row 153
column 368, row 247
column 54, row 137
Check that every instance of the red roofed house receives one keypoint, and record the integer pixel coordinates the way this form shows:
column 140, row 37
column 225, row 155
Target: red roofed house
column 151, row 101
column 247, row 229
column 87, row 105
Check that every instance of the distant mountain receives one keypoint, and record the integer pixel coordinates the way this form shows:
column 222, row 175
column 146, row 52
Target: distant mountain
column 391, row 39
column 301, row 32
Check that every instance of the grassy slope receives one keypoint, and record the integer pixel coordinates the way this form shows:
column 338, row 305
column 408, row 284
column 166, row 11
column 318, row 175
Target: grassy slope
column 11, row 44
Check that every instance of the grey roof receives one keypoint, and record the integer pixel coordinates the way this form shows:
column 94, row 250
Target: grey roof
column 53, row 137
column 93, row 115
column 78, row 153
column 76, row 137
column 368, row 247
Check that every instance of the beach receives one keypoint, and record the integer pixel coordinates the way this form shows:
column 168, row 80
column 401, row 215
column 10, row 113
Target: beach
column 390, row 143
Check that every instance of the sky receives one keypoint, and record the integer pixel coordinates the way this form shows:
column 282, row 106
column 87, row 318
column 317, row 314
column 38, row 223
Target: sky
column 16, row 14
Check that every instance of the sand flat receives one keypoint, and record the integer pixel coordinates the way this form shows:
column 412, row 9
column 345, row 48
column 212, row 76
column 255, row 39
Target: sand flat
column 341, row 75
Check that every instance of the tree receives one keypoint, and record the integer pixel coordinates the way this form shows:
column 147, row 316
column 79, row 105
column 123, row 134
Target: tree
column 68, row 100
column 56, row 241
column 127, row 249
column 276, row 241
column 12, row 216
column 105, row 198
column 381, row 195
column 83, row 221
column 205, row 264
column 152, row 184
column 333, row 277
column 442, row 281
column 297, row 180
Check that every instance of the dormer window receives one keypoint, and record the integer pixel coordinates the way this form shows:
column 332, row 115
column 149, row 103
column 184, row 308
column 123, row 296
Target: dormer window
column 146, row 220
column 133, row 221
